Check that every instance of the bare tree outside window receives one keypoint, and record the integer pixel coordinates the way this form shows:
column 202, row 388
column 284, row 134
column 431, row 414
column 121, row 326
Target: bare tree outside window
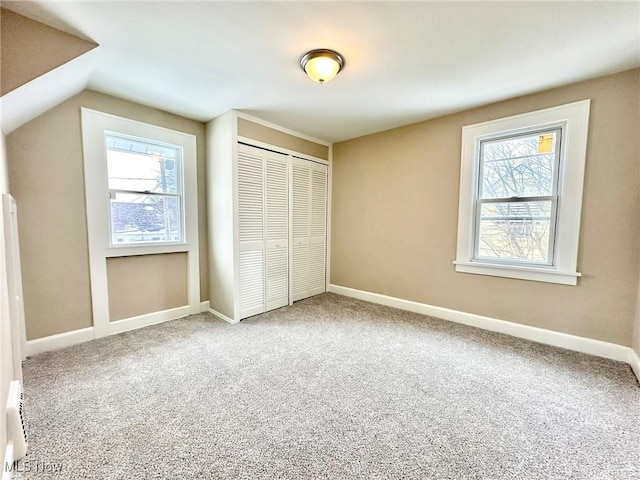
column 517, row 197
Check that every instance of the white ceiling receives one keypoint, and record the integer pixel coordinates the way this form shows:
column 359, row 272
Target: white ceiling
column 405, row 61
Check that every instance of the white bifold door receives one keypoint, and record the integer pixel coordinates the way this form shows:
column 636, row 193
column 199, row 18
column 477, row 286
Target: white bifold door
column 309, row 228
column 263, row 229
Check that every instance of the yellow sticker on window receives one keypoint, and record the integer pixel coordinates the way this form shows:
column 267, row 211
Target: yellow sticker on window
column 545, row 143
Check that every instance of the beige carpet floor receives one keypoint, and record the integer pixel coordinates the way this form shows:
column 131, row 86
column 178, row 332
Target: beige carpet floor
column 330, row 388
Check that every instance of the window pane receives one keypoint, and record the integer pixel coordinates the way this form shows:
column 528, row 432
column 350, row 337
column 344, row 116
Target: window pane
column 145, row 219
column 141, row 166
column 519, row 166
column 515, row 231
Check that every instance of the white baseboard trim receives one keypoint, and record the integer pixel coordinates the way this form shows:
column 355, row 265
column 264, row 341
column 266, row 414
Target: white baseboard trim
column 634, row 361
column 540, row 335
column 61, row 340
column 67, row 339
column 221, row 316
column 204, row 306
column 154, row 318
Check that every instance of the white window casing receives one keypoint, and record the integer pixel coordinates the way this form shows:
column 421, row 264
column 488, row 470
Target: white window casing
column 573, row 121
column 95, row 125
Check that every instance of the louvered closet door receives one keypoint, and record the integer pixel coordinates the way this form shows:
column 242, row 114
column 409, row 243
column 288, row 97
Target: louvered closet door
column 277, row 230
column 309, row 225
column 318, row 234
column 300, row 227
column 251, row 231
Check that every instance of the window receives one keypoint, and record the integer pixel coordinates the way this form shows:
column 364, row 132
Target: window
column 145, row 190
column 141, row 194
column 517, row 197
column 521, row 193
column 141, row 186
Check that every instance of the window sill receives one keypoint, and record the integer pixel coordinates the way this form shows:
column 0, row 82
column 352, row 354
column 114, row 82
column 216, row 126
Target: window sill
column 132, row 250
column 535, row 274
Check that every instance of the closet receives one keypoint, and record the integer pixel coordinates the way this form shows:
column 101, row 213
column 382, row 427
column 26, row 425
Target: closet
column 267, row 214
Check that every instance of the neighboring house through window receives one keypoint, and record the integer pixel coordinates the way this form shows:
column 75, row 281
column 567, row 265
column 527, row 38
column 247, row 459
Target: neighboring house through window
column 521, row 194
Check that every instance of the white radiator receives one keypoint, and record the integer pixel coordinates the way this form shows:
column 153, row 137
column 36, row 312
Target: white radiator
column 16, row 429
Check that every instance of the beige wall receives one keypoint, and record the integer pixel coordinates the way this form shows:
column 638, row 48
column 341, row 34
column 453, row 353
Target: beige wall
column 395, row 208
column 146, row 283
column 31, row 49
column 47, row 181
column 275, row 137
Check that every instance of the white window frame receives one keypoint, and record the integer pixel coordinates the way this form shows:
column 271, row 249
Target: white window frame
column 94, row 126
column 179, row 194
column 573, row 118
column 553, row 196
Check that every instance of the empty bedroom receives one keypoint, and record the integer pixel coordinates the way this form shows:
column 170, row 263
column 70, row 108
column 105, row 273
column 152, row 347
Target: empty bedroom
column 320, row 239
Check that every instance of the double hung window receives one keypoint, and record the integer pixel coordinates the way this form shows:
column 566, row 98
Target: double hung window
column 521, row 185
column 141, row 186
column 145, row 190
column 517, row 201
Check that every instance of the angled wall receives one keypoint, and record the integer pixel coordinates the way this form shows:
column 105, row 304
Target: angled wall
column 30, row 49
column 46, row 177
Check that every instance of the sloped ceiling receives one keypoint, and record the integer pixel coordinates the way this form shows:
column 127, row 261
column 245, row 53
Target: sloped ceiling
column 40, row 67
column 405, row 61
column 31, row 49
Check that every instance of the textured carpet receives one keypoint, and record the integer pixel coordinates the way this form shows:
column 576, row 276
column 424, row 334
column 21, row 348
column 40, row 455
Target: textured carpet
column 329, row 388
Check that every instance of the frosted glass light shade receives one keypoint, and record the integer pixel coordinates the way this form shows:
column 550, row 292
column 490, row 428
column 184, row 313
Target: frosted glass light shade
column 322, row 65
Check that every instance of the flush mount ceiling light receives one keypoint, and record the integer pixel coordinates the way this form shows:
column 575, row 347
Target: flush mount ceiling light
column 322, row 65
